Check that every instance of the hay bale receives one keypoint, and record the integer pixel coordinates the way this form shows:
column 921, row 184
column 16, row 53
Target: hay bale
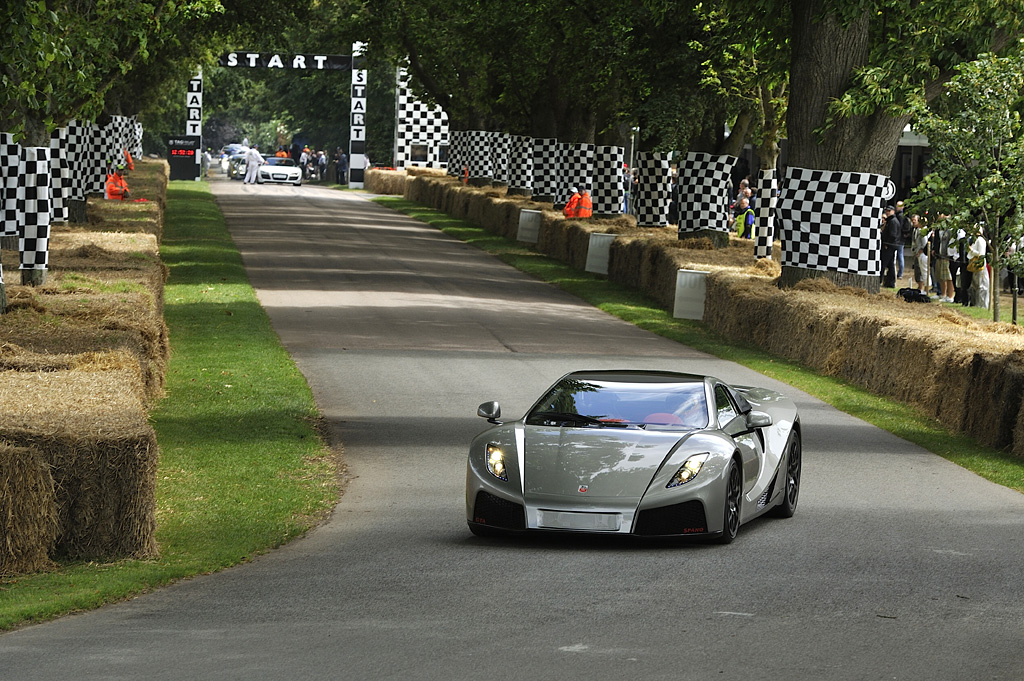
column 28, row 511
column 76, row 323
column 385, row 182
column 92, row 430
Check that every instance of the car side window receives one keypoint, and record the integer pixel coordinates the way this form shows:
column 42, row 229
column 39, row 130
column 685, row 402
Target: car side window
column 723, row 403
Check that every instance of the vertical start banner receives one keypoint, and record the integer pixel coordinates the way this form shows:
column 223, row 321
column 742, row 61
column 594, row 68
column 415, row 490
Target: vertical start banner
column 194, row 125
column 357, row 161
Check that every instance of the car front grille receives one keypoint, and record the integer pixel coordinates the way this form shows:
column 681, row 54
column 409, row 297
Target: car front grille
column 497, row 512
column 685, row 518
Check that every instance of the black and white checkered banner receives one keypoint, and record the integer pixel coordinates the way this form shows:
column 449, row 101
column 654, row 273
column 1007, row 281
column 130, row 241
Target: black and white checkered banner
column 520, row 163
column 477, row 150
column 500, row 144
column 34, row 207
column 10, row 159
column 704, row 193
column 545, row 168
column 420, row 130
column 575, row 169
column 77, row 148
column 60, row 176
column 608, row 192
column 767, row 202
column 456, row 157
column 828, row 220
column 655, row 189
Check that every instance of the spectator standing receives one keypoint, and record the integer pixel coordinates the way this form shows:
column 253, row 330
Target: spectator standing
column 906, row 238
column 342, row 166
column 321, row 164
column 940, row 254
column 958, row 267
column 980, row 280
column 919, row 248
column 890, row 238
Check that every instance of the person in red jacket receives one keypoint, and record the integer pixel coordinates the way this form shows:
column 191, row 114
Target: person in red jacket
column 586, row 208
column 572, row 207
column 117, row 187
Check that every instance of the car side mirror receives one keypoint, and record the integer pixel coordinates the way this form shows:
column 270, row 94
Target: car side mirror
column 490, row 411
column 758, row 419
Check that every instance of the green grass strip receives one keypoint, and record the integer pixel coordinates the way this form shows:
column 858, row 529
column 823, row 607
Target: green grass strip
column 900, row 419
column 242, row 467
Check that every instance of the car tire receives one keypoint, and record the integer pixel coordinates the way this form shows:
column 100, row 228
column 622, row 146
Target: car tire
column 299, row 183
column 791, row 491
column 733, row 502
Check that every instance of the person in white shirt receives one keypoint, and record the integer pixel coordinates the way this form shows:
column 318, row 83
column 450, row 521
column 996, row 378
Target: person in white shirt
column 253, row 161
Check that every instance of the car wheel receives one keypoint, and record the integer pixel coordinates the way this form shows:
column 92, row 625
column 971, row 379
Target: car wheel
column 794, row 462
column 733, row 498
column 299, row 183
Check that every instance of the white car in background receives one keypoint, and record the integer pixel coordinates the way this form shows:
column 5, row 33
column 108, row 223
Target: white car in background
column 278, row 169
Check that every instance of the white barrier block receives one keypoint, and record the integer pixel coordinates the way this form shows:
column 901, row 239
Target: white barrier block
column 529, row 226
column 691, row 291
column 598, row 252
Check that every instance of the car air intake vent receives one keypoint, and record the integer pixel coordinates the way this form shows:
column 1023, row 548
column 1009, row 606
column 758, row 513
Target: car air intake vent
column 497, row 512
column 766, row 497
column 684, row 518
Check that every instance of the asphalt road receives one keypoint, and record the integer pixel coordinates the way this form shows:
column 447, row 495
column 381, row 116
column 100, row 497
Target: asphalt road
column 898, row 564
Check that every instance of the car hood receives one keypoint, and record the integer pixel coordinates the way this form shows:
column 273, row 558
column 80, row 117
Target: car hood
column 587, row 466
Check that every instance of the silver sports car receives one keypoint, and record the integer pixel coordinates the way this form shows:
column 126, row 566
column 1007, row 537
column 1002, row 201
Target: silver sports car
column 646, row 453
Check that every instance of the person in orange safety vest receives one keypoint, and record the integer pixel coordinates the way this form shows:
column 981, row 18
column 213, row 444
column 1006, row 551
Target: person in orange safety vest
column 128, row 160
column 572, row 207
column 117, row 187
column 586, row 207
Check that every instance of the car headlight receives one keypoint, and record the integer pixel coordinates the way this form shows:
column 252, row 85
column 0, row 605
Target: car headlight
column 496, row 462
column 688, row 471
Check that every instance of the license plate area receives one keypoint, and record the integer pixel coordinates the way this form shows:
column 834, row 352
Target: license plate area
column 573, row 520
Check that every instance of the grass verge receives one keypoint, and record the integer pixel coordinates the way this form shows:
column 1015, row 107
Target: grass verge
column 900, row 419
column 242, row 468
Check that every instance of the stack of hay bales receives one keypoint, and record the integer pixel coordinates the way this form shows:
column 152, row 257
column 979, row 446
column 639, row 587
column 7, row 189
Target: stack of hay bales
column 82, row 359
column 969, row 376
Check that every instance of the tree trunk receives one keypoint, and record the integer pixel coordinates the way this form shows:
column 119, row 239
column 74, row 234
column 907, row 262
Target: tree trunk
column 791, row 276
column 825, row 55
column 33, row 277
column 733, row 144
column 76, row 211
column 826, row 52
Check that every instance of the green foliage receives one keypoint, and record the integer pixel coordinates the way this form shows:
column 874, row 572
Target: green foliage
column 915, row 46
column 977, row 161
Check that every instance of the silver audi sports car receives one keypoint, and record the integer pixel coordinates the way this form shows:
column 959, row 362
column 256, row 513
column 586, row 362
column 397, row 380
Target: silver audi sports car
column 647, row 453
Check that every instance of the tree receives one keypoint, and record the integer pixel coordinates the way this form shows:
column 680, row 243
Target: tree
column 860, row 69
column 975, row 133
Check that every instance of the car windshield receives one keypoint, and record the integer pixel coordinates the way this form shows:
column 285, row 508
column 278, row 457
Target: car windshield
column 588, row 403
column 280, row 161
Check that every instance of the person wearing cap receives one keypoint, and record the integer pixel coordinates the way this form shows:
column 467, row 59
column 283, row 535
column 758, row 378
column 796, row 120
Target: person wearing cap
column 117, row 186
column 891, row 229
column 572, row 206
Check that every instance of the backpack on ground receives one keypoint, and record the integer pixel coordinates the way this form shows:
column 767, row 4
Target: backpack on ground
column 912, row 295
